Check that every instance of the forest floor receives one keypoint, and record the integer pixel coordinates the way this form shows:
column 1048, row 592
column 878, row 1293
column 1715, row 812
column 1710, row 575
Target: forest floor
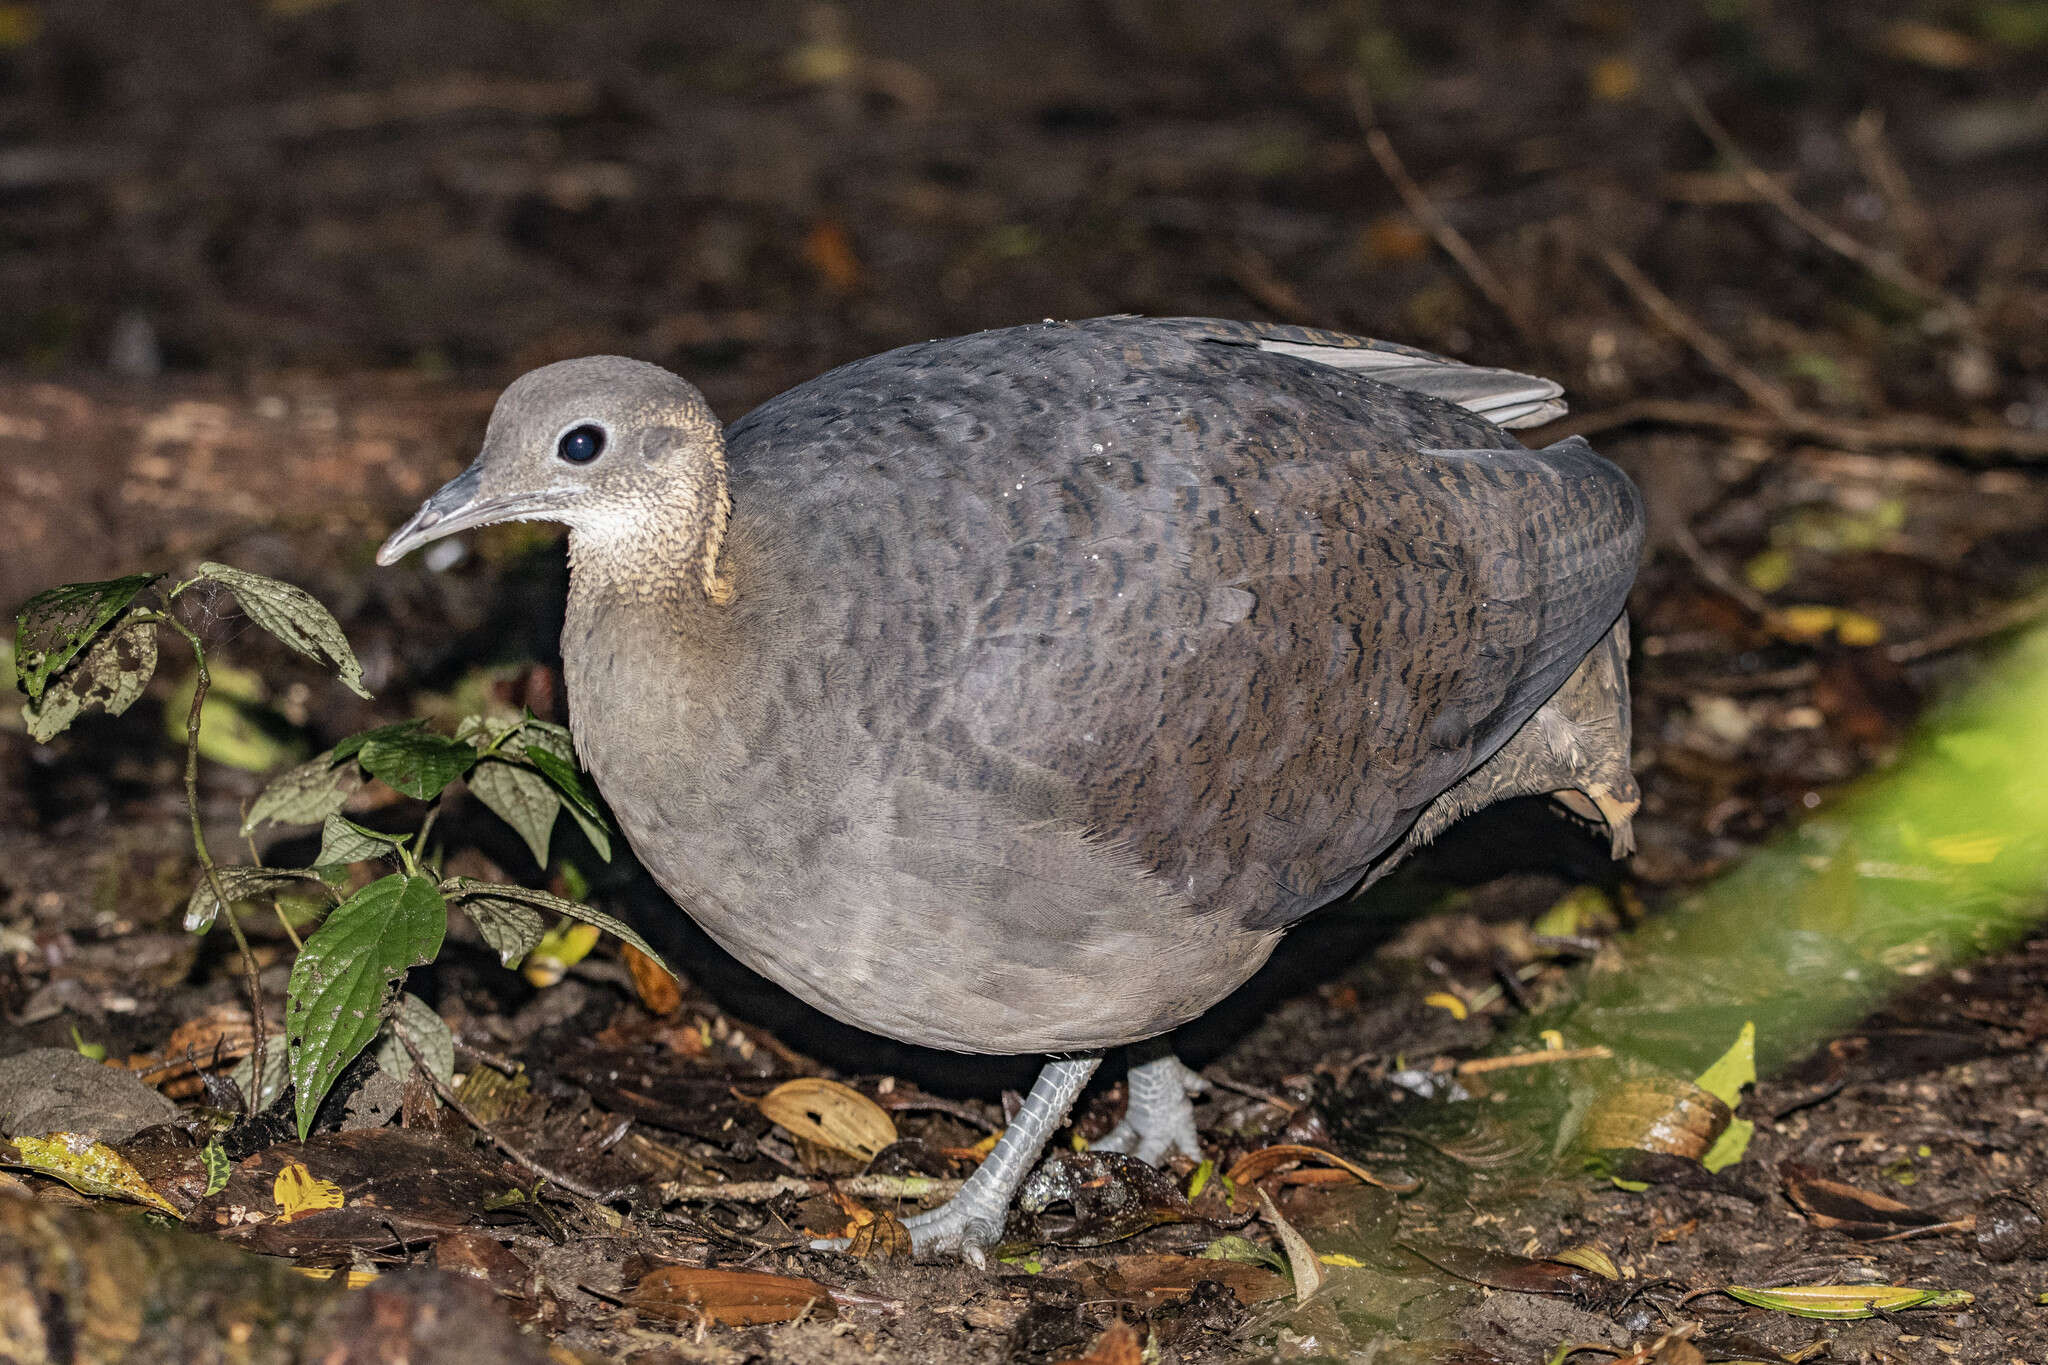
column 268, row 264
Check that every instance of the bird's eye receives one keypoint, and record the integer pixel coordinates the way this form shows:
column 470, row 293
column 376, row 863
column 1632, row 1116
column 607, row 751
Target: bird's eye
column 581, row 444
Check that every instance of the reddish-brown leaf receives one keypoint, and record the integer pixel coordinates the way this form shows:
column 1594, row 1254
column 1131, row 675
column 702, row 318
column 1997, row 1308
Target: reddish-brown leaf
column 730, row 1298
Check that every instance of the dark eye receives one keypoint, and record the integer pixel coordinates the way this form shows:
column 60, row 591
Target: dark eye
column 581, row 445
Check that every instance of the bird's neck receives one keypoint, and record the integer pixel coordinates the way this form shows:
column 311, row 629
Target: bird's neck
column 658, row 544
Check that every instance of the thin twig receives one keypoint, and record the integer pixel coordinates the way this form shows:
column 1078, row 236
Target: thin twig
column 1479, row 1066
column 762, row 1191
column 1882, row 264
column 259, row 1035
column 1998, row 621
column 1717, row 576
column 1769, row 396
column 1882, row 169
column 468, row 1115
column 1453, row 242
column 1985, row 444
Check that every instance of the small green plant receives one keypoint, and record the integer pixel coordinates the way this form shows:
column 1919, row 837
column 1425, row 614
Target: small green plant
column 90, row 645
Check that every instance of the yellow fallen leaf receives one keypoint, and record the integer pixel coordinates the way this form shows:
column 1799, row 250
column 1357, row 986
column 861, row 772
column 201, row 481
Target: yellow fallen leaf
column 832, row 1115
column 350, row 1279
column 88, row 1166
column 559, row 950
column 1444, row 1000
column 299, row 1192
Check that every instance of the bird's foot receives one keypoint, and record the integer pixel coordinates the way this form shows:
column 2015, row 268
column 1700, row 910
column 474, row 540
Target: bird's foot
column 962, row 1226
column 1159, row 1120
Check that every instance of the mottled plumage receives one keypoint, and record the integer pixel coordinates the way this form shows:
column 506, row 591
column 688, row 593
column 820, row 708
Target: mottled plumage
column 1040, row 678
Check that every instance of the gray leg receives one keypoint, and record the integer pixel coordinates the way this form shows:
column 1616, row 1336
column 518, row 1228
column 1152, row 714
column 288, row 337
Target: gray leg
column 1159, row 1120
column 971, row 1222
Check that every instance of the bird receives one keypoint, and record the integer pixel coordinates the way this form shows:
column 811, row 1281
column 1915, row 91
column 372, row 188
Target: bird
column 1014, row 692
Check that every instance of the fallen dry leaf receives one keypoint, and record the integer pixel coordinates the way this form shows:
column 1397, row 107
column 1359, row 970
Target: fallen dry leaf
column 730, row 1298
column 1861, row 1214
column 1119, row 1344
column 1267, row 1160
column 831, row 1115
column 652, row 982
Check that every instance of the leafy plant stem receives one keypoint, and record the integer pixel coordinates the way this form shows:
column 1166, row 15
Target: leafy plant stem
column 201, row 681
column 276, row 906
column 426, row 827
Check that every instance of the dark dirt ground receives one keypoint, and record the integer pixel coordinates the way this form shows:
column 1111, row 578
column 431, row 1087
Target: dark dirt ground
column 264, row 265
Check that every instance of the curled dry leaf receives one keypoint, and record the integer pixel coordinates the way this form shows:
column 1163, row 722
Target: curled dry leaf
column 1301, row 1257
column 1861, row 1214
column 832, row 1115
column 730, row 1298
column 1281, row 1156
column 880, row 1237
column 1658, row 1114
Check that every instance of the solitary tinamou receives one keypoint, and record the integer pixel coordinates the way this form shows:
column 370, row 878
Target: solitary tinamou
column 1015, row 692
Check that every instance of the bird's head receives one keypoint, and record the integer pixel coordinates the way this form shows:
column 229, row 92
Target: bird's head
column 625, row 454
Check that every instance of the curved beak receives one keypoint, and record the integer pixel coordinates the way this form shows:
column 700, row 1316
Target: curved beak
column 457, row 507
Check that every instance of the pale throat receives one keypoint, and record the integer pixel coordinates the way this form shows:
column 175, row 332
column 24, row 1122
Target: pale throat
column 655, row 540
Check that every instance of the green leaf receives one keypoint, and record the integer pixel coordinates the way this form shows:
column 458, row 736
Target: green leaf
column 304, row 795
column 522, row 798
column 346, row 973
column 414, row 1019
column 241, row 884
column 53, row 626
column 342, row 840
column 294, row 616
column 1840, row 1302
column 1725, row 1080
column 112, row 675
column 350, row 747
column 469, row 893
column 417, row 762
column 218, row 1167
column 576, row 795
column 511, row 928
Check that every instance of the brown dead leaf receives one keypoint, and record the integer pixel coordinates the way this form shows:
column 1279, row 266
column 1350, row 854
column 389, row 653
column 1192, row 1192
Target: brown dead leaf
column 881, row 1238
column 652, row 982
column 831, row 1115
column 1119, row 1344
column 1861, row 1214
column 216, row 1038
column 730, row 1298
column 1282, row 1156
column 1660, row 1114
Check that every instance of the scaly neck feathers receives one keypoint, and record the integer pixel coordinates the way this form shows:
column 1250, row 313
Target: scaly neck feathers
column 656, row 537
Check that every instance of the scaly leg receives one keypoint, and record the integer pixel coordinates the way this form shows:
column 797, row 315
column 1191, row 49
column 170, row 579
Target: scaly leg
column 1159, row 1120
column 971, row 1222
